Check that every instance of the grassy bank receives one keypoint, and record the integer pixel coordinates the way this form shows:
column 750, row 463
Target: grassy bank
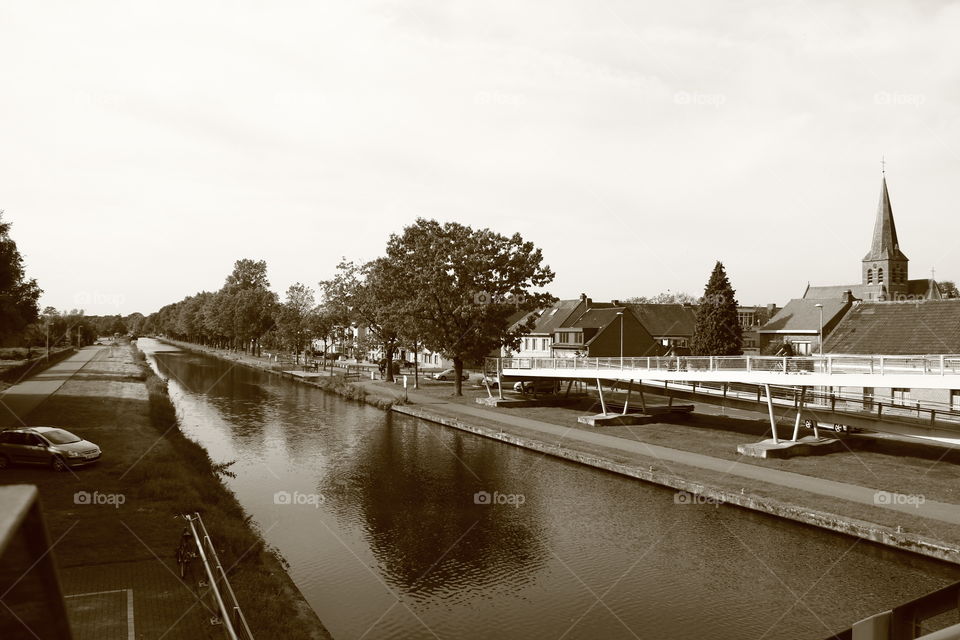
column 10, row 375
column 187, row 480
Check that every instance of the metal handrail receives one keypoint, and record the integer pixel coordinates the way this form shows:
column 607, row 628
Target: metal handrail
column 232, row 617
column 830, row 365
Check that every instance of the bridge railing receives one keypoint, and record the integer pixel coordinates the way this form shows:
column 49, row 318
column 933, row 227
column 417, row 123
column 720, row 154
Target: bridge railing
column 832, row 365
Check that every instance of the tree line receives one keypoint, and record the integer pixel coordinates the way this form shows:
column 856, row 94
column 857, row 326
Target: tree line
column 445, row 287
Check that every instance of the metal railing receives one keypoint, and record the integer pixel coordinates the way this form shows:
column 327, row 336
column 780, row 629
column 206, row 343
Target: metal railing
column 907, row 621
column 234, row 624
column 831, row 365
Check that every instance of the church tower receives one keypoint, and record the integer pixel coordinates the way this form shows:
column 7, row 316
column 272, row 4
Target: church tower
column 885, row 266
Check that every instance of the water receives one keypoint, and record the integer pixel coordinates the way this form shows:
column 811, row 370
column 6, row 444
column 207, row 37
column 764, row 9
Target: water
column 398, row 548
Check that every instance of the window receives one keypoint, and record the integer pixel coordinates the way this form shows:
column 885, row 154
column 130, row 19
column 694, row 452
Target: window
column 869, row 276
column 801, row 348
column 880, row 275
column 955, row 400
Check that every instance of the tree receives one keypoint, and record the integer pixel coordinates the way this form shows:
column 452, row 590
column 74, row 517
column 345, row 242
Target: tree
column 248, row 302
column 18, row 295
column 464, row 288
column 294, row 317
column 948, row 289
column 666, row 297
column 717, row 332
column 367, row 296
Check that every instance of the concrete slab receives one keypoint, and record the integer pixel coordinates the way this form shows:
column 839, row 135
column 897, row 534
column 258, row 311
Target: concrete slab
column 806, row 446
column 608, row 419
column 540, row 401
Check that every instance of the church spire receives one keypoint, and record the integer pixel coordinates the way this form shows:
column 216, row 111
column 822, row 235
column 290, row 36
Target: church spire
column 885, row 245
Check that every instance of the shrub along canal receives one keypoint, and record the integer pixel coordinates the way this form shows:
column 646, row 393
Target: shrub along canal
column 399, row 528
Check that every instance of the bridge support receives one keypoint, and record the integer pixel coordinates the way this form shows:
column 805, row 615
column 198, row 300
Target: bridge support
column 499, row 385
column 773, row 420
column 796, row 425
column 626, row 403
column 603, row 404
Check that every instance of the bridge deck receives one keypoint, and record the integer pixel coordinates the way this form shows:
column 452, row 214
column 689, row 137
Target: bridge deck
column 912, row 372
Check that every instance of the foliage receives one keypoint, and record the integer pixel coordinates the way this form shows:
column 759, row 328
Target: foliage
column 948, row 289
column 717, row 332
column 18, row 294
column 464, row 288
column 666, row 297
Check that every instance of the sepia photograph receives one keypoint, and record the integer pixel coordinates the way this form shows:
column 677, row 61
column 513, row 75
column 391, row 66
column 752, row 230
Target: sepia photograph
column 446, row 320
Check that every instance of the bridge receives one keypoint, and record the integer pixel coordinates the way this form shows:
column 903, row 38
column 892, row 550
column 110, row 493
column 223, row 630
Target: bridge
column 801, row 373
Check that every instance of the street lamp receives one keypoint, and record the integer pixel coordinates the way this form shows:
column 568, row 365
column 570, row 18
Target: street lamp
column 620, row 313
column 820, row 307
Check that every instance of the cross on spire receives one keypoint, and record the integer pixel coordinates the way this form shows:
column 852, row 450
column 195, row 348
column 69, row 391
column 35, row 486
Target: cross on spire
column 883, row 165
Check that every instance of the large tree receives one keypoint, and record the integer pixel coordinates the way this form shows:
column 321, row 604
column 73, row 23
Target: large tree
column 367, row 295
column 464, row 288
column 248, row 303
column 948, row 289
column 717, row 331
column 666, row 297
column 18, row 294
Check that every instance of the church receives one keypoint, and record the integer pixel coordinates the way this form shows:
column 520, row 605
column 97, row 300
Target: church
column 885, row 268
column 885, row 277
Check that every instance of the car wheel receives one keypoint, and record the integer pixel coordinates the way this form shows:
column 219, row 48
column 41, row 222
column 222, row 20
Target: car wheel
column 4, row 463
column 58, row 464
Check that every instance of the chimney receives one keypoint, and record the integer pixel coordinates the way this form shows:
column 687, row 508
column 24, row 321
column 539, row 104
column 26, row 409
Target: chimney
column 583, row 297
column 615, row 303
column 848, row 296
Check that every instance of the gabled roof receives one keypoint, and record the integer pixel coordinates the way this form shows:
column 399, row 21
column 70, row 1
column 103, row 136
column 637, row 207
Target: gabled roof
column 898, row 328
column 666, row 319
column 884, row 245
column 595, row 318
column 803, row 315
column 916, row 288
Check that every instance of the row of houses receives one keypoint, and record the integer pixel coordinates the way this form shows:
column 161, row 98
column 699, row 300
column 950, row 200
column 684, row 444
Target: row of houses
column 583, row 327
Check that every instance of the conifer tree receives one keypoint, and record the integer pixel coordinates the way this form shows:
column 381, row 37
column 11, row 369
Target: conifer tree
column 717, row 331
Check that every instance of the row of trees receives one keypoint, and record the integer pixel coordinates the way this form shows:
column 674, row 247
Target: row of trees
column 445, row 287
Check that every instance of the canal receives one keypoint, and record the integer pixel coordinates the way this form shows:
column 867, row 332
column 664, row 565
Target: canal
column 387, row 526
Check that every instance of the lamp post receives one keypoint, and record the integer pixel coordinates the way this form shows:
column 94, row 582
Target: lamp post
column 620, row 313
column 820, row 307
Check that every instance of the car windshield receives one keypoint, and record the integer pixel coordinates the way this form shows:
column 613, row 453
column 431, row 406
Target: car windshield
column 59, row 436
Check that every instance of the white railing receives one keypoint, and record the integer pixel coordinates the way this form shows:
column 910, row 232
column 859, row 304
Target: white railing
column 831, row 365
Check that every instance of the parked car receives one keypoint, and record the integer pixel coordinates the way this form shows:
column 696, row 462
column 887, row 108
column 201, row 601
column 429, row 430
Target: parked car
column 535, row 386
column 51, row 446
column 450, row 374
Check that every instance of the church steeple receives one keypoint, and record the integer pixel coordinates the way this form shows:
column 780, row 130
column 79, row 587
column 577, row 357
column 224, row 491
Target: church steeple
column 885, row 245
column 885, row 266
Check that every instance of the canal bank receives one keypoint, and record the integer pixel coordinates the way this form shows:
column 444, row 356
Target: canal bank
column 876, row 514
column 114, row 524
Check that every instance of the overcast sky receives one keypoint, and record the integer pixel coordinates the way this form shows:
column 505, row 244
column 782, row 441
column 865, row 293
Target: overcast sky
column 144, row 147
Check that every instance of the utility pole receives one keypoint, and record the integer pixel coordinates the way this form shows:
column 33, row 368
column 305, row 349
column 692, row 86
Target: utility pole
column 48, row 338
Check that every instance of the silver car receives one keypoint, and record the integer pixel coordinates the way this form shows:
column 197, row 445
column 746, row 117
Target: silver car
column 50, row 446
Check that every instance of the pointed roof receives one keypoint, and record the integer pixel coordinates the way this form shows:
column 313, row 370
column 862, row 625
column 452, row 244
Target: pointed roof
column 885, row 245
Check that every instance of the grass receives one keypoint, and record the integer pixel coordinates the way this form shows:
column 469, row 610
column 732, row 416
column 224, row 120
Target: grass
column 118, row 402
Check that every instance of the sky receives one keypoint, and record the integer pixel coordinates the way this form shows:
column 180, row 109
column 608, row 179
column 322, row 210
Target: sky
column 144, row 147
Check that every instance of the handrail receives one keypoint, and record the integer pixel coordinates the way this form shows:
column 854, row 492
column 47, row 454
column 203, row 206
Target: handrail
column 878, row 365
column 232, row 617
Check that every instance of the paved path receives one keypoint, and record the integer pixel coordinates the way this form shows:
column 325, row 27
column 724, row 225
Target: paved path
column 18, row 401
column 942, row 511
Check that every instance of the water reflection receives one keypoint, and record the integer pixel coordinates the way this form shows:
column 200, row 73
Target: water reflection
column 398, row 547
